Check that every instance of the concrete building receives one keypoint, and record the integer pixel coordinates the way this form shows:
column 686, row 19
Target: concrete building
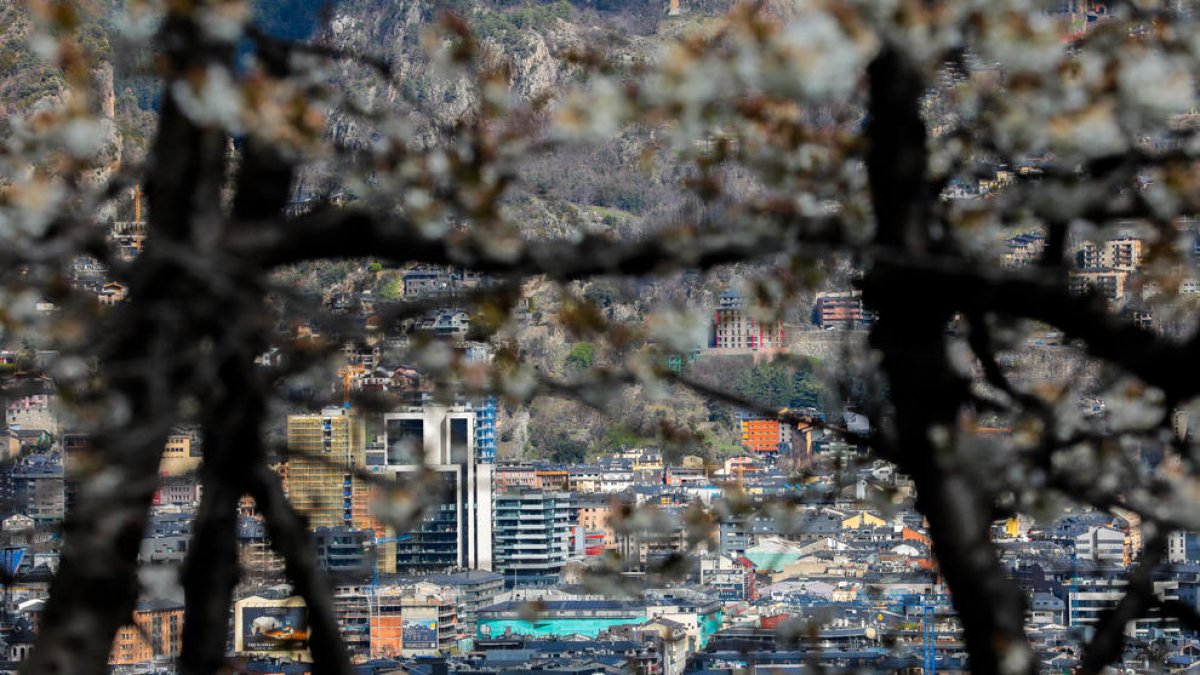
column 730, row 579
column 37, row 488
column 767, row 435
column 515, row 476
column 841, row 309
column 343, row 550
column 474, row 589
column 532, row 536
column 1089, row 598
column 323, row 448
column 1101, row 544
column 1106, row 283
column 1183, row 547
column 1046, row 608
column 1123, row 253
column 156, row 633
column 1024, row 249
column 35, row 411
column 181, row 454
column 734, row 328
column 485, row 430
column 594, row 515
column 412, row 620
column 437, row 444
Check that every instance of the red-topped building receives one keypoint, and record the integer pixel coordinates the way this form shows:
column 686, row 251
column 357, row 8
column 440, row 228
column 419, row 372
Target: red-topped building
column 733, row 328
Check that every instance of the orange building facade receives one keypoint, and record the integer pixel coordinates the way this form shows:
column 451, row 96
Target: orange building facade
column 761, row 435
column 156, row 632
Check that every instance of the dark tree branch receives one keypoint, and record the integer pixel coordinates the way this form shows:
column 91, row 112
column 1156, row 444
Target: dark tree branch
column 350, row 232
column 232, row 442
column 963, row 286
column 1109, row 639
column 149, row 345
column 926, row 392
column 278, row 50
column 289, row 537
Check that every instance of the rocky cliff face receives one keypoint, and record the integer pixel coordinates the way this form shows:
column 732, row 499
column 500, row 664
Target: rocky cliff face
column 32, row 87
column 533, row 41
column 563, row 193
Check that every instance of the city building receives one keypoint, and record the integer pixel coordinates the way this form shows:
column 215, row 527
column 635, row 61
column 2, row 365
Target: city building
column 427, row 280
column 37, row 488
column 34, row 411
column 532, row 536
column 1183, row 547
column 1089, row 598
column 485, row 430
column 593, row 515
column 1101, row 544
column 761, row 434
column 446, row 323
column 412, row 620
column 435, row 444
column 156, row 633
column 515, row 475
column 343, row 550
column 729, row 579
column 474, row 589
column 1108, row 284
column 1123, row 253
column 323, row 448
column 181, row 455
column 1024, row 249
column 841, row 309
column 769, row 436
column 735, row 329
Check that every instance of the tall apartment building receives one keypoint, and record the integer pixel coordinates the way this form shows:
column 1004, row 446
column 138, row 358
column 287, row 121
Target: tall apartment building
column 181, row 454
column 456, row 530
column 324, row 447
column 36, row 488
column 841, row 309
column 733, row 328
column 412, row 620
column 1123, row 253
column 1183, row 547
column 156, row 633
column 485, row 430
column 762, row 434
column 1101, row 544
column 1024, row 249
column 474, row 589
column 594, row 515
column 1105, row 268
column 1089, row 598
column 532, row 535
column 34, row 411
column 1107, row 283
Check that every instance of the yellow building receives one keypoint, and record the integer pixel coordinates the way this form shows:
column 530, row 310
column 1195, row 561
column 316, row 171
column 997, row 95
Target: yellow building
column 156, row 632
column 177, row 458
column 863, row 519
column 323, row 449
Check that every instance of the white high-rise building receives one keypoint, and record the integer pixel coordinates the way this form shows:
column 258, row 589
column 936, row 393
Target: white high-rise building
column 456, row 531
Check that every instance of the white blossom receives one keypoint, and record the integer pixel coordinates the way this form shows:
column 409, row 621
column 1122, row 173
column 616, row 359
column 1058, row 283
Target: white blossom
column 217, row 101
column 1156, row 84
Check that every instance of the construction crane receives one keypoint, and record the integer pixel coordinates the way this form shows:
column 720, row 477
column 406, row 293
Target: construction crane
column 348, row 372
column 138, row 225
